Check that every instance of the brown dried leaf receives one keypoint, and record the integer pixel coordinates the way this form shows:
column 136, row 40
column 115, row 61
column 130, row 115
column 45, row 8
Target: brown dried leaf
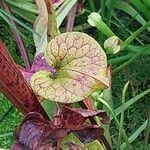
column 35, row 133
column 74, row 118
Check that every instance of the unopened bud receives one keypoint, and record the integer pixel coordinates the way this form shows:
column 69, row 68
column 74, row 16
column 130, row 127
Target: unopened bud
column 112, row 45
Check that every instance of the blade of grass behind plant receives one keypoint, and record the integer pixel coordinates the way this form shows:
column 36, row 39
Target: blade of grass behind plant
column 134, row 35
column 24, row 14
column 147, row 133
column 131, row 101
column 121, row 59
column 135, row 134
column 11, row 25
column 140, row 6
column 124, row 65
column 122, row 114
column 24, row 5
column 92, row 5
column 124, row 6
column 19, row 22
column 110, row 110
column 64, row 10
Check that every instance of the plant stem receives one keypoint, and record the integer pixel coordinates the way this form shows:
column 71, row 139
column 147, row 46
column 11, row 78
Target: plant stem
column 71, row 18
column 129, row 147
column 92, row 5
column 134, row 35
column 147, row 133
column 52, row 30
column 15, row 87
column 102, row 9
column 18, row 40
column 109, row 14
column 129, row 61
column 121, row 59
column 122, row 114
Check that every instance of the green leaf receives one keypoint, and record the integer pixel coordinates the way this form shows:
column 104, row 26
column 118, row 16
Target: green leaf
column 63, row 11
column 40, row 27
column 49, row 107
column 24, row 14
column 19, row 22
column 95, row 145
column 131, row 101
column 81, row 69
column 140, row 6
column 121, row 5
column 10, row 24
column 135, row 134
column 24, row 5
column 70, row 138
column 122, row 113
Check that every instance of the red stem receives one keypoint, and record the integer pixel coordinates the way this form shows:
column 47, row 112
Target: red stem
column 14, row 86
column 71, row 18
column 18, row 40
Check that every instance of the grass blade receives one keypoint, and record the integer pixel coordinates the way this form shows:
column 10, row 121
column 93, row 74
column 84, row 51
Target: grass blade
column 135, row 134
column 141, row 7
column 110, row 110
column 122, row 114
column 24, row 5
column 121, row 5
column 131, row 101
column 19, row 22
column 64, row 10
column 147, row 133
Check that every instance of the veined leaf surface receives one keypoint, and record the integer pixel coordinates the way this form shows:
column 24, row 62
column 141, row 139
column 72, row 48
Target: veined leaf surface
column 81, row 69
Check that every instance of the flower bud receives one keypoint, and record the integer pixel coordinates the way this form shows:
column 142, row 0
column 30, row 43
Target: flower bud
column 112, row 45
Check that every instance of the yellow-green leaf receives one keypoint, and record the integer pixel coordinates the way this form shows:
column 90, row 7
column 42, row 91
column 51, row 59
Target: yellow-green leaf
column 95, row 145
column 81, row 69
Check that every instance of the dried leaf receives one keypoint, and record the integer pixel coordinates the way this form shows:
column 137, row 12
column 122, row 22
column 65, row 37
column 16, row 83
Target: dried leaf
column 81, row 69
column 74, row 118
column 37, row 133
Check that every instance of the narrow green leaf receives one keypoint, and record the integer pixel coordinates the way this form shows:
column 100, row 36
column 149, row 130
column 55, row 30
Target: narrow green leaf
column 24, row 5
column 124, row 65
column 63, row 11
column 10, row 24
column 19, row 22
column 122, row 113
column 131, row 101
column 24, row 14
column 111, row 111
column 124, row 6
column 135, row 134
column 134, row 35
column 140, row 6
